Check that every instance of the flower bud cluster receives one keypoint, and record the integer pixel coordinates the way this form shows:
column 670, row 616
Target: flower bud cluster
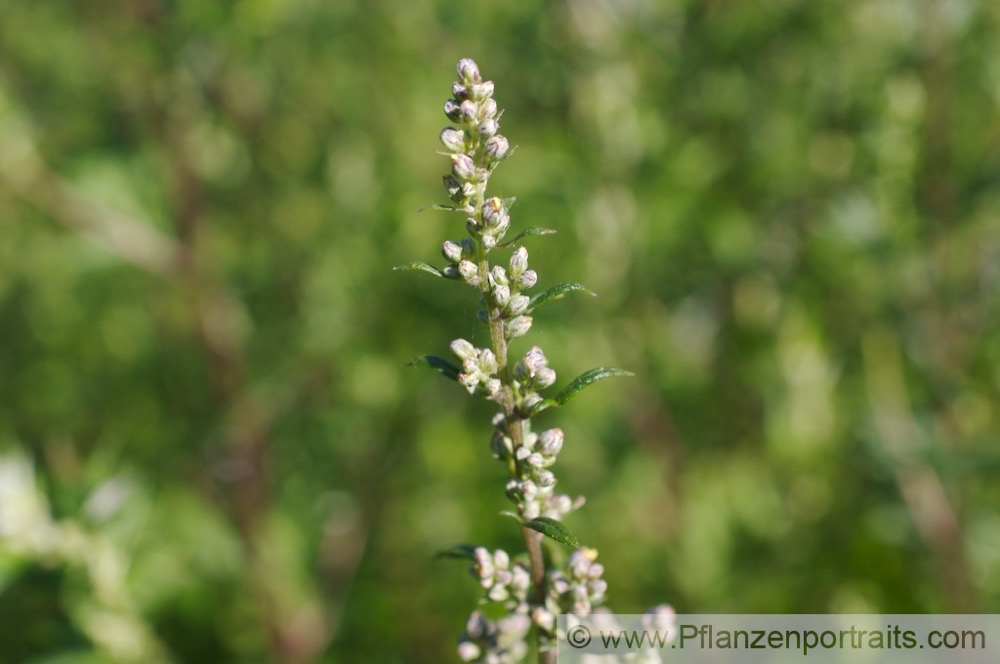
column 580, row 587
column 475, row 145
column 501, row 580
column 461, row 261
column 479, row 369
column 494, row 642
column 531, row 374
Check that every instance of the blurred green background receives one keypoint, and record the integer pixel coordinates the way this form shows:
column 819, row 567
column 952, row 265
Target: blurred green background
column 210, row 449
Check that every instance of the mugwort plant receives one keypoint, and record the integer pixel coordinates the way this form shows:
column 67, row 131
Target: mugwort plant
column 523, row 595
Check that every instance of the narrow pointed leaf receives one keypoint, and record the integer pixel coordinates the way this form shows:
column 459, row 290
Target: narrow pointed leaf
column 418, row 266
column 553, row 529
column 439, row 364
column 588, row 378
column 557, row 292
column 542, row 406
column 530, row 230
column 458, row 552
column 512, row 515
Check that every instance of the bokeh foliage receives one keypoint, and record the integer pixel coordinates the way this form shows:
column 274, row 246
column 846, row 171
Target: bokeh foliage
column 790, row 211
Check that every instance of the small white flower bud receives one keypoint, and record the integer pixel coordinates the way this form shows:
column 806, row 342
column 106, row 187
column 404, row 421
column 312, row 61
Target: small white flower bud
column 463, row 167
column 527, row 280
column 498, row 276
column 489, row 242
column 454, row 187
column 500, row 559
column 518, row 262
column 518, row 304
column 453, row 109
column 501, row 295
column 498, row 593
column 463, row 349
column 500, row 445
column 468, row 651
column 468, row 71
column 488, row 127
column 544, row 378
column 469, row 113
column 529, row 402
column 469, row 271
column 488, row 361
column 562, row 504
column 595, row 571
column 459, row 91
column 470, row 365
column 493, row 211
column 536, row 460
column 534, row 360
column 489, row 109
column 530, row 511
column 497, row 147
column 551, row 442
column 493, row 386
column 476, row 626
column 543, row 618
column 480, row 91
column 451, row 272
column 451, row 251
column 520, row 578
column 453, row 139
column 522, row 453
column 518, row 327
column 529, row 489
column 546, row 480
column 469, row 381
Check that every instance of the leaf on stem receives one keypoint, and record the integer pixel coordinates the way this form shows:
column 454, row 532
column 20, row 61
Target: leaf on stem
column 530, row 230
column 588, row 378
column 458, row 552
column 439, row 364
column 557, row 292
column 553, row 529
column 418, row 266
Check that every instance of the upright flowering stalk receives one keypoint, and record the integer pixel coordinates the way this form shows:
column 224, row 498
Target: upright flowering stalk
column 529, row 595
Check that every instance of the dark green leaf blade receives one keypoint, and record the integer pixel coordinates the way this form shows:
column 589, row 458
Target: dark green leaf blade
column 557, row 292
column 446, row 368
column 542, row 406
column 553, row 529
column 458, row 552
column 530, row 230
column 418, row 266
column 588, row 378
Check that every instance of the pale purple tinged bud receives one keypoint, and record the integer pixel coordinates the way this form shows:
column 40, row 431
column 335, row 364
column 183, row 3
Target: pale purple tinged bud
column 534, row 360
column 451, row 251
column 522, row 453
column 480, row 91
column 494, row 212
column 463, row 349
column 527, row 280
column 493, row 386
column 469, row 381
column 518, row 304
column 468, row 71
column 453, row 110
column 469, row 272
column 499, row 276
column 453, row 139
column 518, row 327
column 501, row 294
column 463, row 167
column 489, row 242
column 551, row 442
column 489, row 109
column 501, row 559
column 459, row 91
column 518, row 262
column 488, row 128
column 546, row 480
column 529, row 401
column 536, row 460
column 497, row 147
column 468, row 651
column 469, row 113
column 529, row 489
column 488, row 361
column 544, row 378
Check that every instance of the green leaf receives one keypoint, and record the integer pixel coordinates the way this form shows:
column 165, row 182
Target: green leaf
column 557, row 292
column 458, row 552
column 553, row 529
column 588, row 378
column 530, row 230
column 422, row 267
column 446, row 368
column 512, row 515
column 542, row 406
